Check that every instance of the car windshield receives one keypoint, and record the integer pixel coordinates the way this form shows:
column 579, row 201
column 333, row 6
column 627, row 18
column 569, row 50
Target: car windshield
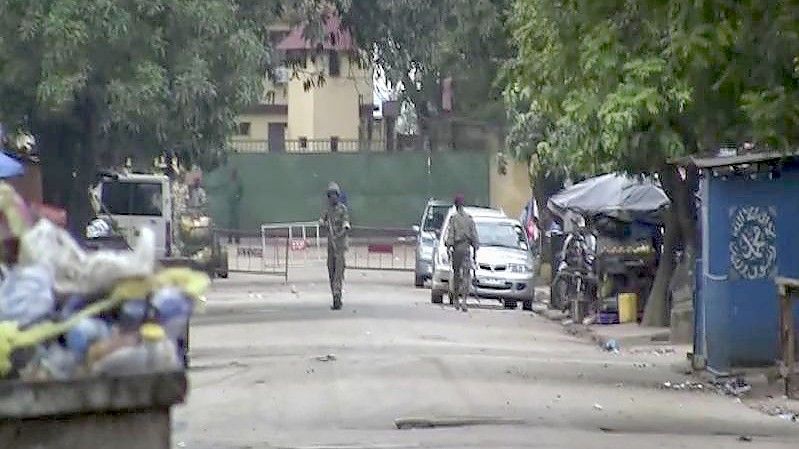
column 434, row 219
column 132, row 198
column 506, row 235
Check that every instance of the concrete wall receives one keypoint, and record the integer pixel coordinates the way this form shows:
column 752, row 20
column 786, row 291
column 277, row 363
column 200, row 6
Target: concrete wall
column 384, row 189
column 300, row 116
column 512, row 190
column 332, row 109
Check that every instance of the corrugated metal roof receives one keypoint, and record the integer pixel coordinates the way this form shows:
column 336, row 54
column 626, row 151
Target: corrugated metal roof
column 724, row 161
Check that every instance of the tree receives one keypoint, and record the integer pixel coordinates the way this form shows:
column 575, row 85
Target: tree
column 629, row 85
column 417, row 44
column 99, row 80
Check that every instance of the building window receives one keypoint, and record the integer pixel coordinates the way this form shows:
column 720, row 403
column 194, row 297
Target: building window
column 334, row 63
column 334, row 144
column 243, row 128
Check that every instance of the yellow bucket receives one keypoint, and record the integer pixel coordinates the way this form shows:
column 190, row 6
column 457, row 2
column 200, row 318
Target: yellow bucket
column 628, row 307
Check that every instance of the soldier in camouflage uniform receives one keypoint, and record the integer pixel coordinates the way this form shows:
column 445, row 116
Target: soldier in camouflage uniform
column 336, row 219
column 461, row 237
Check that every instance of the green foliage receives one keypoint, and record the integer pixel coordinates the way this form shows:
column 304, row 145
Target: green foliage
column 151, row 74
column 626, row 85
column 417, row 43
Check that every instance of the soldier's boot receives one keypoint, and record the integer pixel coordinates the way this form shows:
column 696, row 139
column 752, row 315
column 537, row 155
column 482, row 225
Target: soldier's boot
column 336, row 302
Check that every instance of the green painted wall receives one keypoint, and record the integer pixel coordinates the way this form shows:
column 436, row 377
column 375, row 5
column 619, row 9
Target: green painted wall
column 383, row 189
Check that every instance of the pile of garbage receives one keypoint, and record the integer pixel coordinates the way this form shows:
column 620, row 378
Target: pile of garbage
column 66, row 312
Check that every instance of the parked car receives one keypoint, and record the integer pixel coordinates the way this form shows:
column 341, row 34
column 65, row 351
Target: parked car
column 505, row 264
column 442, row 268
column 427, row 232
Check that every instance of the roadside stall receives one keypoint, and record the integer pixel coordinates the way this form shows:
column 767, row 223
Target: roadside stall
column 621, row 241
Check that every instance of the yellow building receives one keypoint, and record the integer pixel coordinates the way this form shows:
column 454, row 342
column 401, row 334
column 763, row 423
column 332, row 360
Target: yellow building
column 319, row 99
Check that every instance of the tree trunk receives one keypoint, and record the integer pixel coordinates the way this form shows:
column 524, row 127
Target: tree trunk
column 680, row 235
column 83, row 164
column 656, row 313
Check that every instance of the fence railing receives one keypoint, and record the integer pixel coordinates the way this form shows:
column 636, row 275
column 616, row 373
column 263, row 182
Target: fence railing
column 306, row 146
column 280, row 248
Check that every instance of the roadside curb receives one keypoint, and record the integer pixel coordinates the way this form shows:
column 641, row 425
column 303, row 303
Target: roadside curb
column 623, row 335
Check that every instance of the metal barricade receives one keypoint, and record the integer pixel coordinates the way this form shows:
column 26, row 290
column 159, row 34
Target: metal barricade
column 304, row 241
column 280, row 248
column 254, row 253
column 384, row 249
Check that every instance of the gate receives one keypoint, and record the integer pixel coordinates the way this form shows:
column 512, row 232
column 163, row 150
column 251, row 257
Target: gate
column 282, row 247
column 249, row 252
column 383, row 249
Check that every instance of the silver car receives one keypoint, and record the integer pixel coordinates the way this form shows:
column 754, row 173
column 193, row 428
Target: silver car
column 428, row 231
column 505, row 265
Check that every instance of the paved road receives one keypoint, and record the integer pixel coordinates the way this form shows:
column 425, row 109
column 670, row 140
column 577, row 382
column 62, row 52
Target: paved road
column 500, row 378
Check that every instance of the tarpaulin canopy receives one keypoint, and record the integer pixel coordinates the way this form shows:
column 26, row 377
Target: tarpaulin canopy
column 9, row 167
column 613, row 195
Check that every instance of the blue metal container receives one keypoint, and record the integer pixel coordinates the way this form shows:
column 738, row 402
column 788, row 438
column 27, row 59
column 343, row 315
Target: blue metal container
column 750, row 234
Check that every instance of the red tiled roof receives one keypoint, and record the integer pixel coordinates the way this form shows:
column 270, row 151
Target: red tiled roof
column 336, row 38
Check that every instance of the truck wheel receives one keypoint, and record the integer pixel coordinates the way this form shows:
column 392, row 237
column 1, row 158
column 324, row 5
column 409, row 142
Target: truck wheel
column 436, row 297
column 527, row 305
column 509, row 304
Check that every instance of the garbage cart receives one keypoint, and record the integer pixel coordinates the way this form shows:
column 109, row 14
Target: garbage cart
column 130, row 412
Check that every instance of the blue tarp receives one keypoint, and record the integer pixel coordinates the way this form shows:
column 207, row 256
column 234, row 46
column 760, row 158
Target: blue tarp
column 618, row 196
column 9, row 167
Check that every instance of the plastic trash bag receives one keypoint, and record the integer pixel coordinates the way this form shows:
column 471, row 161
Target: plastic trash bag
column 79, row 272
column 50, row 362
column 172, row 310
column 87, row 332
column 26, row 295
column 132, row 314
column 155, row 353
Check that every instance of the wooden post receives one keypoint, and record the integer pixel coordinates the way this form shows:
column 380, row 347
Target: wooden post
column 787, row 288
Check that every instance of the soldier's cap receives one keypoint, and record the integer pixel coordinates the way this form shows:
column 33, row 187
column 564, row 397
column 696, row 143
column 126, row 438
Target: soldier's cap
column 333, row 188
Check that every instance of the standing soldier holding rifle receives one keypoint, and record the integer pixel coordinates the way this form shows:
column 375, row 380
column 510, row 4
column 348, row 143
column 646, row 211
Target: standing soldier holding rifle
column 337, row 220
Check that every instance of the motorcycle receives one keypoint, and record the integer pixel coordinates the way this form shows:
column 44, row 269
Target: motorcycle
column 575, row 282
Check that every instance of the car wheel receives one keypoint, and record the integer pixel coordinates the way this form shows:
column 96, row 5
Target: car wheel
column 418, row 281
column 527, row 305
column 509, row 304
column 436, row 297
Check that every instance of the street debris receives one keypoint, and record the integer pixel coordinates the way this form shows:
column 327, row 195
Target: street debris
column 430, row 423
column 687, row 385
column 611, row 346
column 567, row 322
column 745, row 438
column 294, row 289
column 326, row 358
column 656, row 351
column 68, row 312
column 640, row 364
column 598, row 407
column 780, row 412
column 733, row 387
column 589, row 320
